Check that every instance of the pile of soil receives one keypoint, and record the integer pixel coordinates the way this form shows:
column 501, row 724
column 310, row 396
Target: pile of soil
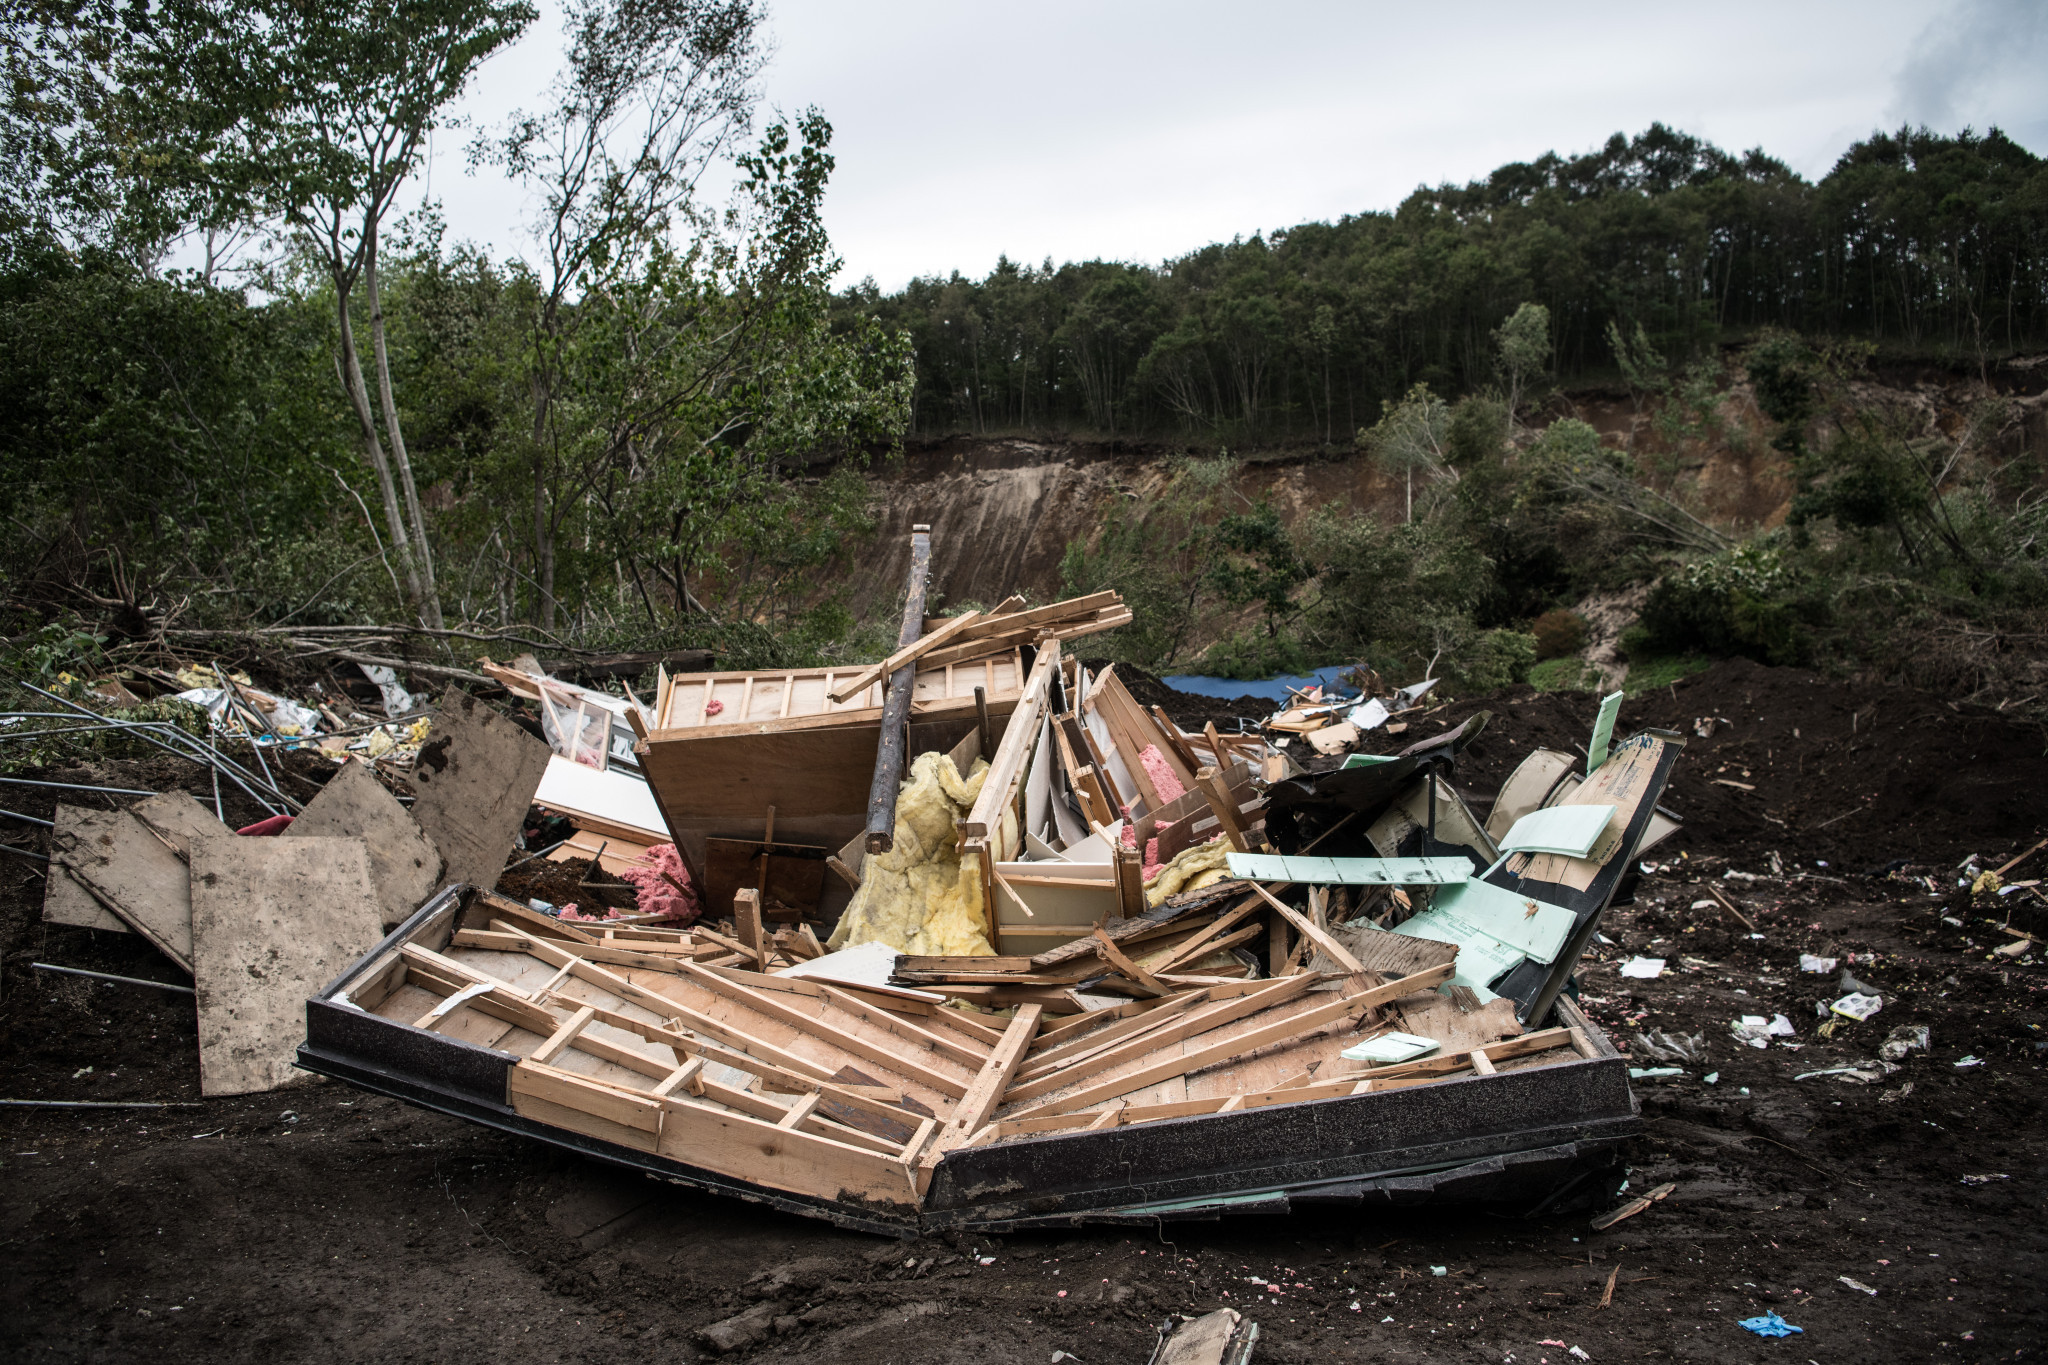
column 1189, row 710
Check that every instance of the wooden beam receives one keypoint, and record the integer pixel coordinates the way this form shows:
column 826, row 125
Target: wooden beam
column 1020, row 737
column 1311, row 931
column 746, row 918
column 889, row 755
column 979, row 1103
column 1211, row 784
column 1106, row 948
column 1236, row 1043
column 908, row 654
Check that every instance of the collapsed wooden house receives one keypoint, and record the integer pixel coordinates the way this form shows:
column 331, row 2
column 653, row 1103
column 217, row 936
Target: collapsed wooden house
column 1191, row 990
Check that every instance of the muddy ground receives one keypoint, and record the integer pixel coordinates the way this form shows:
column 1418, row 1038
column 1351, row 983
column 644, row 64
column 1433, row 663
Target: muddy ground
column 319, row 1222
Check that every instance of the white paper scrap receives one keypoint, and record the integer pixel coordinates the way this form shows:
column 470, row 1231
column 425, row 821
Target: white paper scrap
column 1389, row 1048
column 1858, row 1006
column 1643, row 968
column 1809, row 963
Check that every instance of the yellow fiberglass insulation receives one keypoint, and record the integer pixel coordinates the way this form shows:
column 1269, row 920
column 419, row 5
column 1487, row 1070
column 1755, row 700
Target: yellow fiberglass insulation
column 917, row 898
column 1191, row 870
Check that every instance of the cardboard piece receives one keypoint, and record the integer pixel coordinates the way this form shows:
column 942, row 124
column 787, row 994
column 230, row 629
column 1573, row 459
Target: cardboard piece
column 273, row 920
column 1531, row 786
column 474, row 779
column 404, row 863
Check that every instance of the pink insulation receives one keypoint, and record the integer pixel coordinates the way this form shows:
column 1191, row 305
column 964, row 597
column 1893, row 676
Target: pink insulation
column 658, row 895
column 1162, row 776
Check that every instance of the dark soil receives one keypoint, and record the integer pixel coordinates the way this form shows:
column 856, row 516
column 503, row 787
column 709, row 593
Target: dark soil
column 321, row 1222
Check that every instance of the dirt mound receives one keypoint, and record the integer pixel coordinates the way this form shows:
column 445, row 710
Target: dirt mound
column 1815, row 769
column 1189, row 710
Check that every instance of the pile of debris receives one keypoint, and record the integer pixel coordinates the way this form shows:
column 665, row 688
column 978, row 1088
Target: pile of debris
column 1034, row 993
column 1332, row 722
column 260, row 923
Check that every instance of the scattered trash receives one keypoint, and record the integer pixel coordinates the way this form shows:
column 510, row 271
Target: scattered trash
column 1971, row 1061
column 1857, row 1006
column 1857, row 1285
column 1390, row 1047
column 1809, row 963
column 1632, row 1208
column 1671, row 1047
column 1643, row 968
column 1902, row 1040
column 1711, row 1078
column 1769, row 1325
column 1651, row 1073
column 1983, row 1179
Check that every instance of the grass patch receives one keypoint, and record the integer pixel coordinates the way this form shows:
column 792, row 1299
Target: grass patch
column 1647, row 675
column 1569, row 674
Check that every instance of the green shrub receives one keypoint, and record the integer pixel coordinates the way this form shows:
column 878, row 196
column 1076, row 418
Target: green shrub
column 1745, row 602
column 1559, row 632
column 1564, row 675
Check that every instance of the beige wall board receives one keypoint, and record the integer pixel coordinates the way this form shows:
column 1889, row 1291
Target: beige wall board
column 475, row 777
column 404, row 864
column 134, row 874
column 273, row 920
column 66, row 900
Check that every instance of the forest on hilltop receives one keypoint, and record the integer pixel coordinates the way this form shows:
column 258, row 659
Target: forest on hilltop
column 1928, row 245
column 660, row 426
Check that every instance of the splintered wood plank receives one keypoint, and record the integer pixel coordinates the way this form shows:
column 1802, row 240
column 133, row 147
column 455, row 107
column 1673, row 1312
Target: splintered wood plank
column 404, row 864
column 1212, row 1015
column 1277, row 1025
column 981, row 1099
column 273, row 920
column 746, row 1030
column 781, row 1158
column 475, row 779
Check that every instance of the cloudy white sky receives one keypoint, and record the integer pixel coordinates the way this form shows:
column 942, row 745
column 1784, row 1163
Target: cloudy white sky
column 1139, row 131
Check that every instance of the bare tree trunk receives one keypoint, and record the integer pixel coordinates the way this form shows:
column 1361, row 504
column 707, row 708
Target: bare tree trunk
column 430, row 600
column 373, row 447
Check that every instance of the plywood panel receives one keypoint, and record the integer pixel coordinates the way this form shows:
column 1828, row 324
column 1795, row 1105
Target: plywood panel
column 273, row 920
column 404, row 864
column 475, row 777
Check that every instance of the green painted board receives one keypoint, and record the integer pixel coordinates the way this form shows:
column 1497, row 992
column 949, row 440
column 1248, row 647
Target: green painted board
column 1603, row 730
column 1568, row 830
column 1309, row 870
column 1502, row 916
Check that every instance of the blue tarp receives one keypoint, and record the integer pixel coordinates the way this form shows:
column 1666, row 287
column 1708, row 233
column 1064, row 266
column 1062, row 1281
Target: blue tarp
column 1274, row 689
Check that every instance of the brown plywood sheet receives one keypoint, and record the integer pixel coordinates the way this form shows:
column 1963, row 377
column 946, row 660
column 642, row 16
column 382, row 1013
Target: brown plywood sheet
column 273, row 920
column 404, row 864
column 474, row 779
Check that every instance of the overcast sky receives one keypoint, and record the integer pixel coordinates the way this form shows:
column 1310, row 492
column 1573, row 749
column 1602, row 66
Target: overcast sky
column 1139, row 131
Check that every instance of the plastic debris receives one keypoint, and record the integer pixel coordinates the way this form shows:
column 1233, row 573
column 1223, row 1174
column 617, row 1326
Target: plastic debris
column 1769, row 1325
column 1643, row 968
column 1858, row 1006
column 1857, row 1285
column 1651, row 1073
column 1971, row 1061
column 1390, row 1047
column 1984, row 1179
column 1902, row 1040
column 1809, row 963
